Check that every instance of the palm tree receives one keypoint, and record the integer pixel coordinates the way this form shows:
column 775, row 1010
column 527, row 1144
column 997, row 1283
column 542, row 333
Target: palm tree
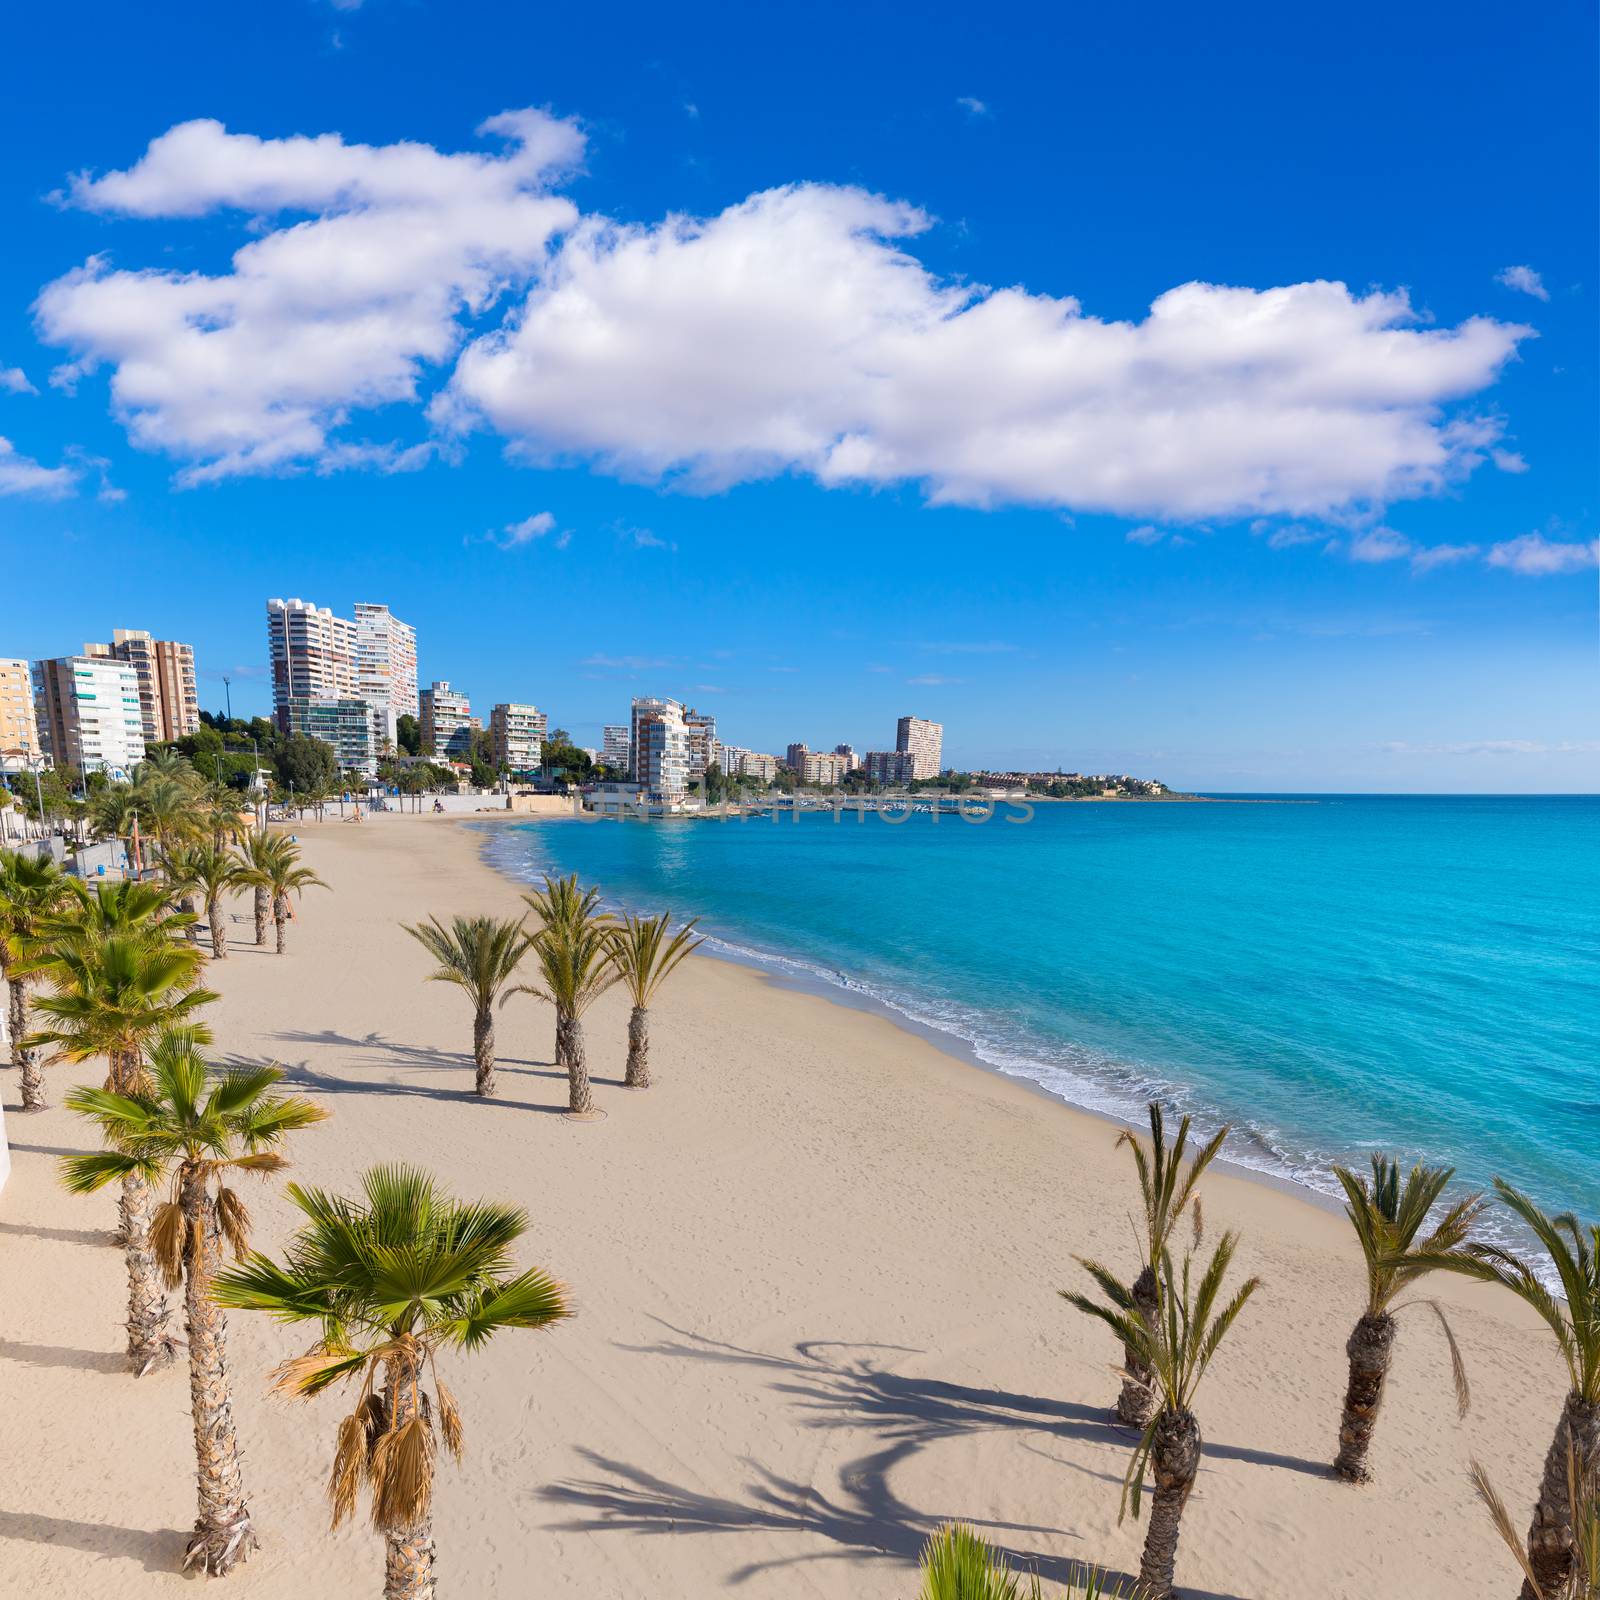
column 111, row 998
column 255, row 872
column 1168, row 1190
column 958, row 1565
column 1176, row 1347
column 113, row 810
column 282, row 875
column 575, row 965
column 1583, row 1491
column 389, row 1281
column 214, row 872
column 30, row 889
column 1574, row 1456
column 1387, row 1218
column 481, row 955
column 644, row 957
column 181, row 1131
column 167, row 805
column 91, row 912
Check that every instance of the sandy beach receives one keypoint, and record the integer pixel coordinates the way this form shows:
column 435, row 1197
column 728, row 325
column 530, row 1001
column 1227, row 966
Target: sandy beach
column 816, row 1270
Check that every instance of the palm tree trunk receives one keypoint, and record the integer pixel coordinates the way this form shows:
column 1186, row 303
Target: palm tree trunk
column 1137, row 1399
column 17, row 1015
column 638, row 1075
column 26, row 1061
column 149, row 1344
column 280, row 918
column 570, row 1054
column 222, row 1535
column 219, row 939
column 408, row 1557
column 1551, row 1534
column 1370, row 1349
column 186, row 906
column 1174, row 1460
column 263, row 914
column 483, row 1049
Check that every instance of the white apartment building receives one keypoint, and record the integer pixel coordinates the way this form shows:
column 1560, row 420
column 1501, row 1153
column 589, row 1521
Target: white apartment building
column 659, row 749
column 923, row 741
column 358, row 730
column 614, row 746
column 169, row 700
column 447, row 723
column 386, row 659
column 89, row 713
column 313, row 656
column 518, row 732
column 19, row 728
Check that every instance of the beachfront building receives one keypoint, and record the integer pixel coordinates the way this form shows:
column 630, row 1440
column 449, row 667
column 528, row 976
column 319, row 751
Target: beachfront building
column 385, row 659
column 518, row 732
column 700, row 729
column 756, row 764
column 89, row 715
column 361, row 733
column 447, row 723
column 824, row 767
column 20, row 746
column 892, row 768
column 659, row 749
column 312, row 654
column 169, row 701
column 923, row 741
column 614, row 746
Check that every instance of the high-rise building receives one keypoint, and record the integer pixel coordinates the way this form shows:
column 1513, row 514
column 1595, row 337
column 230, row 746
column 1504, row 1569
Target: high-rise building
column 795, row 756
column 894, row 768
column 700, row 729
column 386, row 659
column 822, row 766
column 169, row 702
column 923, row 741
column 851, row 759
column 659, row 749
column 19, row 728
column 614, row 746
column 89, row 713
column 313, row 656
column 358, row 730
column 447, row 723
column 518, row 733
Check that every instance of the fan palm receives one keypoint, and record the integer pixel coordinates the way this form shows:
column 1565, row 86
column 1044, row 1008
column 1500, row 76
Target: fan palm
column 111, row 998
column 213, row 871
column 30, row 890
column 1167, row 1189
column 645, row 956
column 390, row 1280
column 190, row 1134
column 1387, row 1217
column 1553, row 1544
column 481, row 955
column 1176, row 1347
column 90, row 912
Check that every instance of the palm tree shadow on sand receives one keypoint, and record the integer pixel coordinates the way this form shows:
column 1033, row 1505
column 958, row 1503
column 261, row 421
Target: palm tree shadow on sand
column 393, row 1053
column 835, row 1385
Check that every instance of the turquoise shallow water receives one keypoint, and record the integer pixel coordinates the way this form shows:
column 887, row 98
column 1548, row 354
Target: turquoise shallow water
column 1416, row 974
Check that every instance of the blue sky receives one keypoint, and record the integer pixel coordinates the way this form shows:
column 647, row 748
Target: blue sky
column 802, row 364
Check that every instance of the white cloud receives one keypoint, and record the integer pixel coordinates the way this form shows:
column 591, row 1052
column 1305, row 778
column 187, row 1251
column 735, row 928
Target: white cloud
column 932, row 680
column 369, row 258
column 796, row 332
column 1508, row 461
column 790, row 333
column 1380, row 544
column 644, row 539
column 13, row 380
column 1429, row 557
column 21, row 475
column 1524, row 280
column 1534, row 556
column 539, row 526
column 1495, row 747
column 1145, row 534
column 973, row 106
column 1292, row 534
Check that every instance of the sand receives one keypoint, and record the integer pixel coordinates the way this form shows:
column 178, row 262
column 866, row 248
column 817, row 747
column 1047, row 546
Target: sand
column 815, row 1268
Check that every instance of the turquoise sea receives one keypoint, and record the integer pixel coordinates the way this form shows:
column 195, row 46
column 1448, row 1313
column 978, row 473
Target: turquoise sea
column 1330, row 974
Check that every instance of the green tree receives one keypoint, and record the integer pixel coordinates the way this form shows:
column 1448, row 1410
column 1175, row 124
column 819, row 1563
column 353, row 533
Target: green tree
column 256, row 873
column 408, row 734
column 283, row 876
column 480, row 955
column 212, row 872
column 30, row 890
column 1176, row 1348
column 645, row 954
column 190, row 1133
column 307, row 763
column 1387, row 1219
column 389, row 1282
column 572, row 950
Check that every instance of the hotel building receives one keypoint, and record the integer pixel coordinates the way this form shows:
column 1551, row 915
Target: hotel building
column 19, row 728
column 518, row 733
column 924, row 742
column 614, row 746
column 447, row 723
column 313, row 657
column 169, row 702
column 89, row 714
column 659, row 749
column 385, row 659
